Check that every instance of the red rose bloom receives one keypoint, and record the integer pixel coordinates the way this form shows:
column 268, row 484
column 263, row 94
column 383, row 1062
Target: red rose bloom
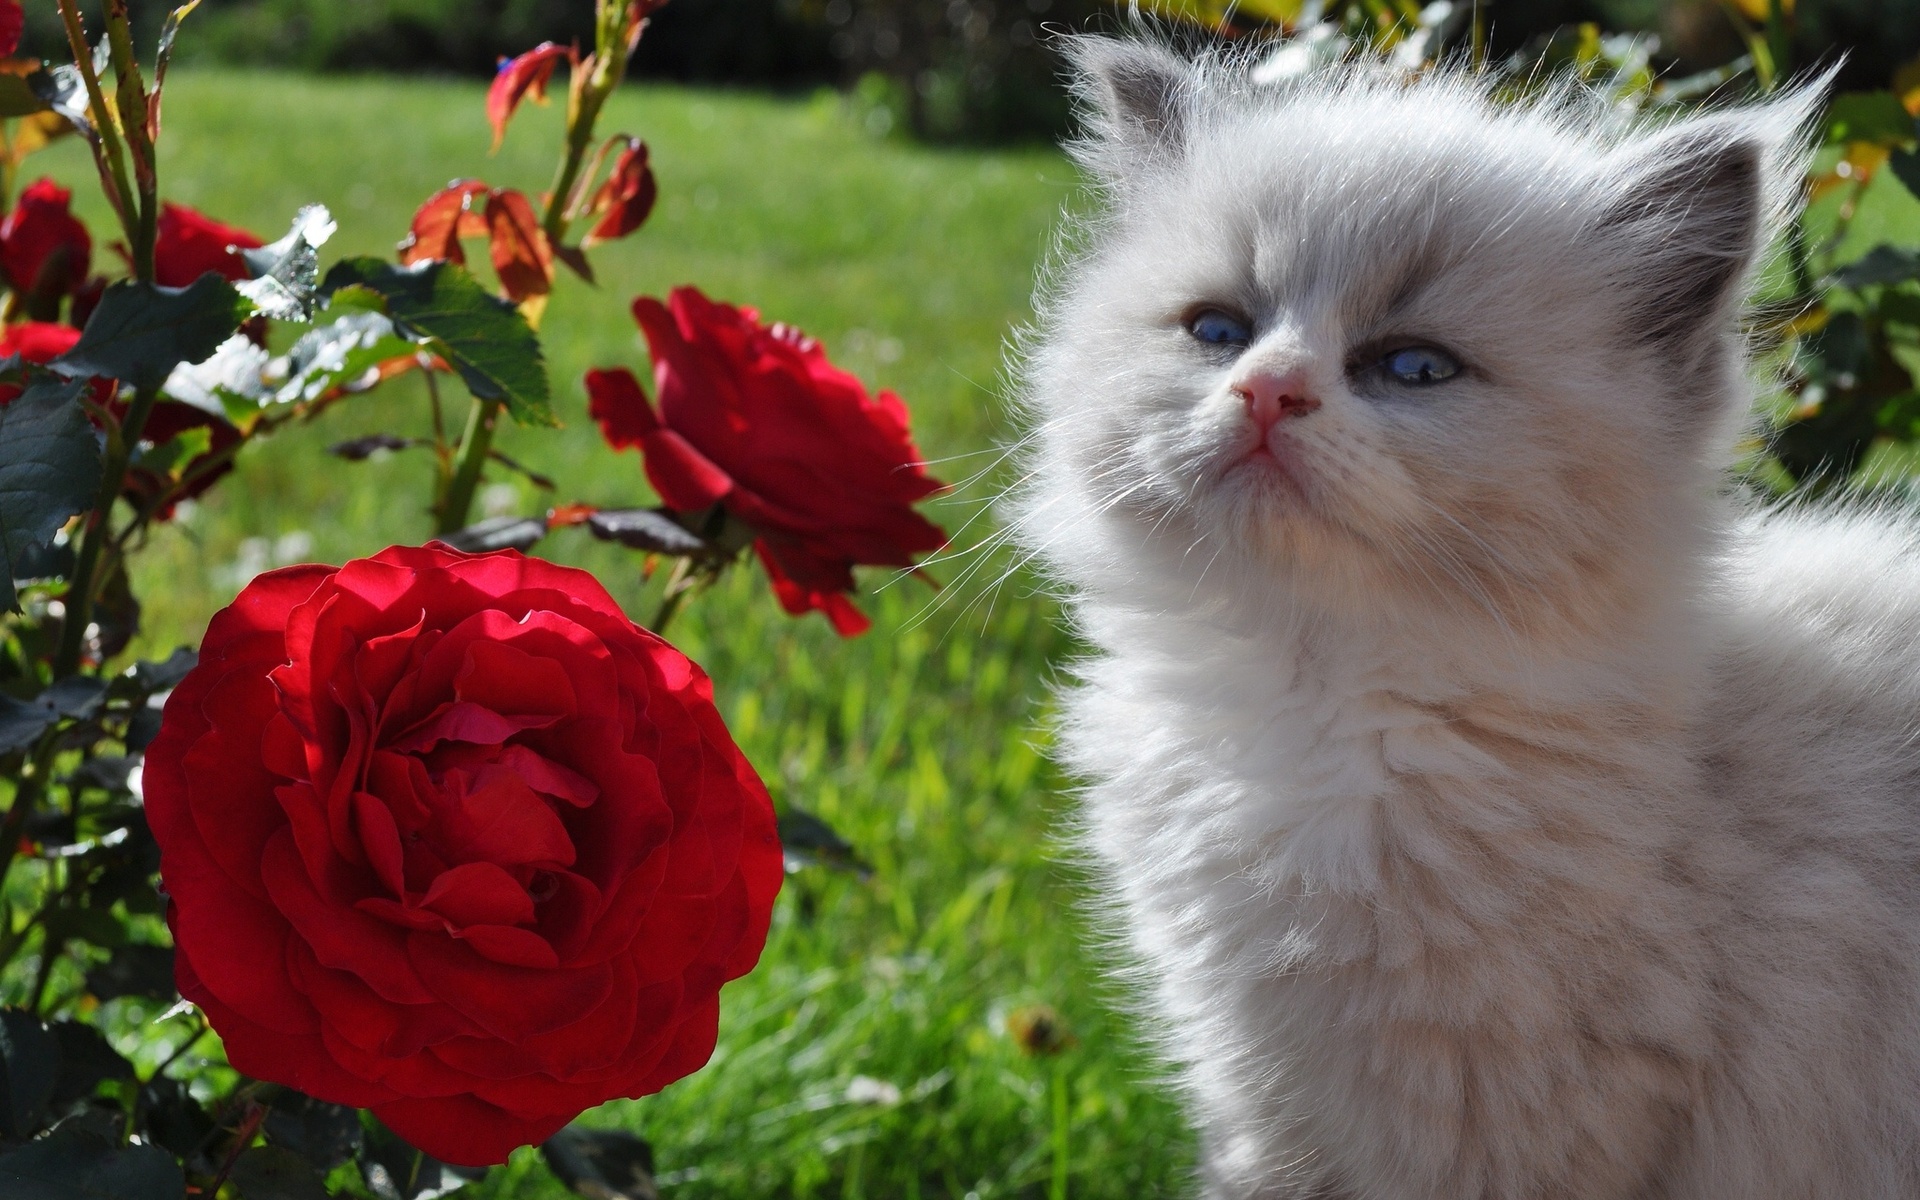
column 191, row 243
column 38, row 341
column 755, row 418
column 44, row 249
column 13, row 22
column 446, row 836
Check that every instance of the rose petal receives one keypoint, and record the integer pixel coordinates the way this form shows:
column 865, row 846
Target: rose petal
column 502, row 821
column 380, row 840
column 510, row 946
column 299, row 1061
column 467, row 1132
column 342, row 938
column 546, row 776
column 479, row 893
column 511, row 1003
column 509, row 681
column 464, row 722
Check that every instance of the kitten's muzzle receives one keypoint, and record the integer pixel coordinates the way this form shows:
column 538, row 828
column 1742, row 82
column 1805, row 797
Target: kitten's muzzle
column 1271, row 399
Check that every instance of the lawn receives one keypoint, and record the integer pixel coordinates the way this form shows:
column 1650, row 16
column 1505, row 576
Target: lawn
column 870, row 1054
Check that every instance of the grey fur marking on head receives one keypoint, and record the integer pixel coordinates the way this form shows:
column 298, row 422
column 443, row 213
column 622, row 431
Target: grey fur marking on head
column 1135, row 97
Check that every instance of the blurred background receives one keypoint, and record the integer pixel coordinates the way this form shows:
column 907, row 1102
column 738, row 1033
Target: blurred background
column 948, row 69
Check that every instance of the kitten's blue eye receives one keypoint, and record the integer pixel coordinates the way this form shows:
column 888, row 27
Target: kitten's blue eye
column 1218, row 329
column 1421, row 365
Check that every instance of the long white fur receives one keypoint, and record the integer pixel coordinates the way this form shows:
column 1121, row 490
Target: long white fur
column 1500, row 809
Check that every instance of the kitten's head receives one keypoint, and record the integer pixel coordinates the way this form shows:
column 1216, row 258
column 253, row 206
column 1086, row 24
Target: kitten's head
column 1358, row 339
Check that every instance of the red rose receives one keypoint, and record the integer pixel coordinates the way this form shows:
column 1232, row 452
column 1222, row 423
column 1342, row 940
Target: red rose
column 191, row 243
column 45, row 251
column 37, row 341
column 41, row 342
column 13, row 22
column 446, row 836
column 755, row 418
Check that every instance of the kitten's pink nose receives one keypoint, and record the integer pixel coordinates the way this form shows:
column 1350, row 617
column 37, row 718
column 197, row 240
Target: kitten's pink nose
column 1271, row 399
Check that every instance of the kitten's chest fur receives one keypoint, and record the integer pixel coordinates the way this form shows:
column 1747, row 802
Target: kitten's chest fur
column 1414, row 933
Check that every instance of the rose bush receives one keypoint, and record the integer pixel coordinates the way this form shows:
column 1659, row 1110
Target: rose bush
column 448, row 837
column 42, row 342
column 754, row 418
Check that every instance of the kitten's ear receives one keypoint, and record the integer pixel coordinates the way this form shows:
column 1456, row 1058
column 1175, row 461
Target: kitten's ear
column 1693, row 207
column 1136, row 99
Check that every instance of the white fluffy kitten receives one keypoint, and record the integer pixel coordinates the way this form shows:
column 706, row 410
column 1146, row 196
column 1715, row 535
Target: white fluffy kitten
column 1497, row 810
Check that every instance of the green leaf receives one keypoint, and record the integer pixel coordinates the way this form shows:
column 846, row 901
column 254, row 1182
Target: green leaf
column 483, row 337
column 142, row 331
column 1869, row 117
column 806, row 840
column 1879, row 266
column 76, row 696
column 21, row 723
column 604, row 1164
column 652, row 530
column 276, row 1173
column 1905, row 165
column 86, row 1061
column 496, row 533
column 49, row 471
column 18, row 97
column 173, row 1118
column 29, row 1067
column 170, row 459
column 286, row 273
column 78, row 1164
column 340, row 355
column 133, row 971
column 150, row 677
column 326, row 1135
column 163, row 58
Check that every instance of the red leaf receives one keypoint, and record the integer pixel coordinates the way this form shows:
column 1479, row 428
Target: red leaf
column 445, row 218
column 521, row 255
column 627, row 196
column 637, row 21
column 13, row 21
column 521, row 78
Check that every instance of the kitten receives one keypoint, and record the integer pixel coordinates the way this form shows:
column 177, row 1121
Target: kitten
column 1497, row 808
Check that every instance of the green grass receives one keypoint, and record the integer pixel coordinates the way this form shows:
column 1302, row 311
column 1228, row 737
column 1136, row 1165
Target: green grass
column 922, row 742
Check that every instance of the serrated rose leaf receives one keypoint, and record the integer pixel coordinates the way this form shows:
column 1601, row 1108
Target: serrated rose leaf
column 49, row 470
column 447, row 216
column 522, row 256
column 285, row 274
column 142, row 331
column 482, row 337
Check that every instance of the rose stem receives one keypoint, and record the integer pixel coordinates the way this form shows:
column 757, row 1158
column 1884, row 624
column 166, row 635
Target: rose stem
column 672, row 599
column 138, row 217
column 586, row 97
